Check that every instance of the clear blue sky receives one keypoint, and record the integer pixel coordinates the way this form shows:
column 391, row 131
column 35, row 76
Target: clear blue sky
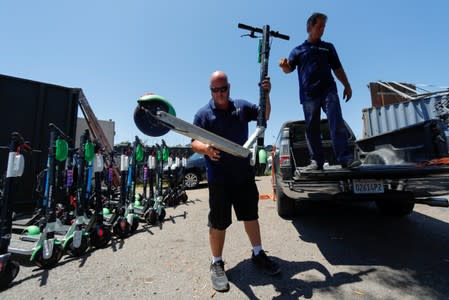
column 118, row 50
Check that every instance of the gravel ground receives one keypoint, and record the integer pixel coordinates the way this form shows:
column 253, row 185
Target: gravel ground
column 348, row 252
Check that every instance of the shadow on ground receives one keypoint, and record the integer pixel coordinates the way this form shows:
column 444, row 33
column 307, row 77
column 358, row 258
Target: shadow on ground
column 245, row 276
column 357, row 235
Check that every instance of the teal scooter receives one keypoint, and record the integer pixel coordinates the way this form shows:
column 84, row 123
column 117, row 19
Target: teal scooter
column 48, row 250
column 156, row 213
column 100, row 233
column 76, row 241
column 259, row 155
column 123, row 220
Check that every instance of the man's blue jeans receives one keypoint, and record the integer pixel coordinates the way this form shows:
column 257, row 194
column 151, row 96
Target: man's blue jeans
column 330, row 104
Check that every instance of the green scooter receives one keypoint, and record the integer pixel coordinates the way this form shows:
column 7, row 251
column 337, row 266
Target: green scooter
column 8, row 267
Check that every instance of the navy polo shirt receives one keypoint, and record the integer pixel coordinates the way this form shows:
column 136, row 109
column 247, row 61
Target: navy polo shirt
column 232, row 124
column 314, row 63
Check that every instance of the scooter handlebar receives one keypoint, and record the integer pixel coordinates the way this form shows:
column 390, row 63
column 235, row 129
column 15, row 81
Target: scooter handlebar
column 279, row 35
column 250, row 28
column 260, row 30
column 60, row 132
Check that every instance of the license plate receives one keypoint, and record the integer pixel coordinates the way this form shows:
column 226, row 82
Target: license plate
column 370, row 186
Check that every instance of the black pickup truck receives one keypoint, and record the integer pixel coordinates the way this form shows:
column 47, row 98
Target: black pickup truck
column 399, row 169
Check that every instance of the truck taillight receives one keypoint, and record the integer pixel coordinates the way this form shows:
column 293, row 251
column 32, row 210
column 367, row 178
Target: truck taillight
column 284, row 161
column 284, row 151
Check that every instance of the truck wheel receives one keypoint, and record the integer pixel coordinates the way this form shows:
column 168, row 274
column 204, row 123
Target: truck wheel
column 395, row 208
column 284, row 204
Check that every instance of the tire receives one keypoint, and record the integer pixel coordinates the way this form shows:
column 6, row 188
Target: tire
column 134, row 225
column 383, row 156
column 170, row 200
column 183, row 197
column 285, row 205
column 191, row 180
column 8, row 273
column 162, row 215
column 49, row 263
column 396, row 207
column 100, row 236
column 76, row 252
column 122, row 228
column 151, row 217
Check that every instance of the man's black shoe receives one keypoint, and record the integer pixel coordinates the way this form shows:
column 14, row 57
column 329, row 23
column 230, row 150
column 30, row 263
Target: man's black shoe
column 351, row 164
column 263, row 262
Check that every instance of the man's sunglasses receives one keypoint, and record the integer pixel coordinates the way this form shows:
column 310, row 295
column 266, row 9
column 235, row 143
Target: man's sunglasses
column 222, row 89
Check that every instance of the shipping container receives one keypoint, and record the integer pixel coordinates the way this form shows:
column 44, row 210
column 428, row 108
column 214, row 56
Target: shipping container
column 379, row 120
column 27, row 107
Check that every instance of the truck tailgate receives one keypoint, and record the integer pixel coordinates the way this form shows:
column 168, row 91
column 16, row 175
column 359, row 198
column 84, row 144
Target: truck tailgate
column 424, row 181
column 374, row 172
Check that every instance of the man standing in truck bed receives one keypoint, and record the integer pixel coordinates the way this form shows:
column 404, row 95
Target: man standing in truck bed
column 314, row 60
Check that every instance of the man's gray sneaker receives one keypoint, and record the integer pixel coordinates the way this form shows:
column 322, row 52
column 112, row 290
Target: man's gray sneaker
column 314, row 166
column 263, row 262
column 218, row 276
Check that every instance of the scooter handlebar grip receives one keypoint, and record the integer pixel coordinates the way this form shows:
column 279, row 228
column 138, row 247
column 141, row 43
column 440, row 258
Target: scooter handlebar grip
column 250, row 28
column 280, row 35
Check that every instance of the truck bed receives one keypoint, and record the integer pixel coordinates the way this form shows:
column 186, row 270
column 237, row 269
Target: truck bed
column 392, row 173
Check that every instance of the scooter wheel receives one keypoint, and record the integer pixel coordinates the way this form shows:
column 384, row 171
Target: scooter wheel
column 49, row 263
column 122, row 228
column 78, row 251
column 148, row 123
column 151, row 203
column 134, row 224
column 100, row 236
column 151, row 217
column 8, row 273
column 176, row 200
column 184, row 197
column 162, row 215
column 170, row 200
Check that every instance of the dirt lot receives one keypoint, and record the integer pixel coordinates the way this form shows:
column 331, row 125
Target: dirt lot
column 335, row 252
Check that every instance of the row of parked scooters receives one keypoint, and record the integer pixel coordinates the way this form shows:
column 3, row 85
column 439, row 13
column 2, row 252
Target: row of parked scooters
column 86, row 200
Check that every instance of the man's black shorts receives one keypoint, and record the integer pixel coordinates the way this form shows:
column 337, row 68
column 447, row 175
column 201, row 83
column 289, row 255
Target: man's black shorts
column 243, row 197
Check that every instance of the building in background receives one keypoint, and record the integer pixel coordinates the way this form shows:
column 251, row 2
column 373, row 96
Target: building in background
column 107, row 126
column 390, row 92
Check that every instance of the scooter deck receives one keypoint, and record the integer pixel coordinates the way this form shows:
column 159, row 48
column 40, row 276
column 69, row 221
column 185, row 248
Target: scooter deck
column 18, row 246
column 59, row 228
column 22, row 247
column 202, row 135
column 24, row 244
column 139, row 210
column 26, row 219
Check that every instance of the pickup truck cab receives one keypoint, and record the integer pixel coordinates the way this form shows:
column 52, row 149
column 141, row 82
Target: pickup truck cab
column 396, row 170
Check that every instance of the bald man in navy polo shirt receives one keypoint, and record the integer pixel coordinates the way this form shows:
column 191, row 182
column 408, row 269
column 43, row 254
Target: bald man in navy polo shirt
column 230, row 179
